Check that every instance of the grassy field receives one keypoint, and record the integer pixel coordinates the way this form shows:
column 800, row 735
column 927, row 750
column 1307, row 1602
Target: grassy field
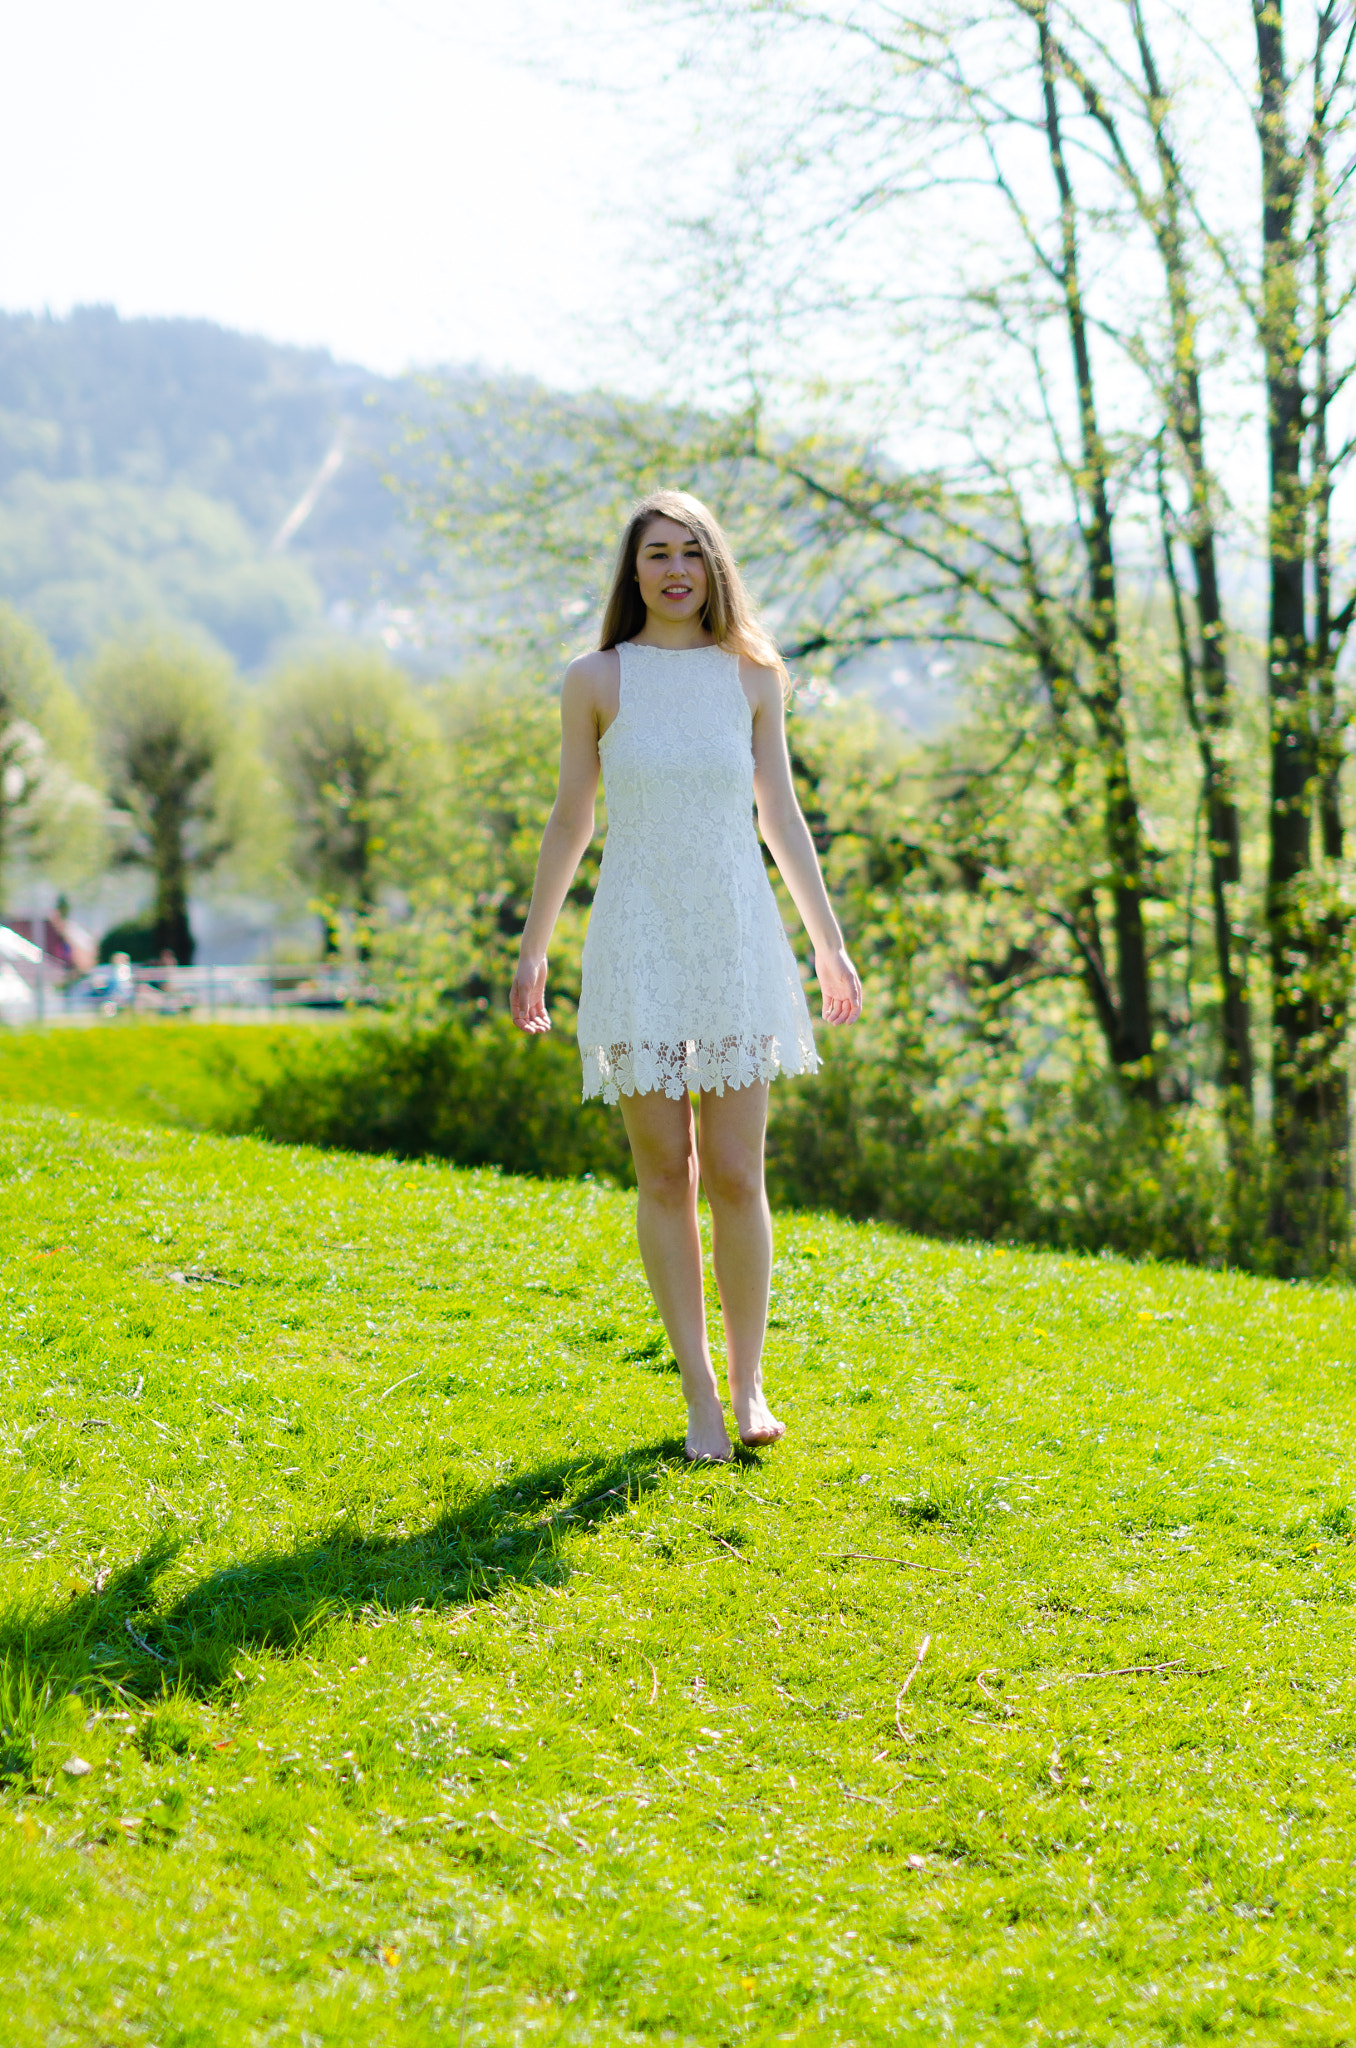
column 427, row 1697
column 161, row 1072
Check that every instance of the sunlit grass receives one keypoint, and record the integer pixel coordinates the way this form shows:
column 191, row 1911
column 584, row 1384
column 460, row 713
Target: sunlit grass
column 148, row 1071
column 348, row 1541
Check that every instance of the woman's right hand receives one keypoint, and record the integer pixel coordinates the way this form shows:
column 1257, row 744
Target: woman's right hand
column 527, row 997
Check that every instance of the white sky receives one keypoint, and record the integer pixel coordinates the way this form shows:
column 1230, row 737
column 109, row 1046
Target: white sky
column 402, row 181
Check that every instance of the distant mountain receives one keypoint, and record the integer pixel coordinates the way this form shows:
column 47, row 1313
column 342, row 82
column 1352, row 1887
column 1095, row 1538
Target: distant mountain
column 174, row 470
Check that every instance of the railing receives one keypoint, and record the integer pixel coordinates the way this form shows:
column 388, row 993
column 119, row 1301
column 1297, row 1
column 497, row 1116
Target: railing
column 33, row 996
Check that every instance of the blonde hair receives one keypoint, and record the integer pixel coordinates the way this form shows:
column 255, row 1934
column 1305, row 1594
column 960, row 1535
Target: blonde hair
column 730, row 615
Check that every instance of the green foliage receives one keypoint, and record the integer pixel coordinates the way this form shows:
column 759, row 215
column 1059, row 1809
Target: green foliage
column 1084, row 1172
column 475, row 1092
column 32, row 688
column 354, row 747
column 1082, row 1169
column 50, row 815
column 146, row 467
column 90, row 558
column 459, row 938
column 179, row 772
column 164, row 1071
column 974, row 1099
column 427, row 1695
column 136, row 938
column 479, row 1094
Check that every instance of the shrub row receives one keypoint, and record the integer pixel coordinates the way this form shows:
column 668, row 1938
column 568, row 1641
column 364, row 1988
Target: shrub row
column 479, row 1094
column 859, row 1137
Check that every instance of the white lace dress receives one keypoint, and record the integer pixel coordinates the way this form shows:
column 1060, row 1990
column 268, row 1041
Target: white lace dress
column 689, row 980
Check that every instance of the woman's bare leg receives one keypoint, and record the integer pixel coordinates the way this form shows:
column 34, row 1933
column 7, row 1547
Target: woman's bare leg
column 731, row 1148
column 664, row 1149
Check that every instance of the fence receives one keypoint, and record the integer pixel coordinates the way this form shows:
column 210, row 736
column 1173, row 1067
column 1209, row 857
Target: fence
column 33, row 995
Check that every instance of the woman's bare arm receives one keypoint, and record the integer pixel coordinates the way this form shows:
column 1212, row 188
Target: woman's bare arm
column 783, row 827
column 568, row 831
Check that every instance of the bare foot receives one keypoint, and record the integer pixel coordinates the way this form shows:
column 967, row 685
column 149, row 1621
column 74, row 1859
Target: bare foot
column 708, row 1441
column 756, row 1421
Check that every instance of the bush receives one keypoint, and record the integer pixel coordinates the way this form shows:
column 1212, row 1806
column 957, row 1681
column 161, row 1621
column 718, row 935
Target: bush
column 479, row 1094
column 859, row 1138
column 138, row 938
column 863, row 1136
column 1085, row 1171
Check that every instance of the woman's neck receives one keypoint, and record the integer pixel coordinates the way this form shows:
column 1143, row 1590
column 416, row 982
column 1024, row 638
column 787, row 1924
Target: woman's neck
column 673, row 633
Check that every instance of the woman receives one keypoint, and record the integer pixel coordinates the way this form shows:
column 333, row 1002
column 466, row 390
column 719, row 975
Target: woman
column 689, row 982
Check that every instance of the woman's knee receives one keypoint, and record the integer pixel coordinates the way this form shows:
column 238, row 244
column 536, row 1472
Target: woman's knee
column 733, row 1179
column 666, row 1176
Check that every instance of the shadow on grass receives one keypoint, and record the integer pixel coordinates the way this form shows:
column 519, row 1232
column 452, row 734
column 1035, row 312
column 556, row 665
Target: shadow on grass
column 506, row 1535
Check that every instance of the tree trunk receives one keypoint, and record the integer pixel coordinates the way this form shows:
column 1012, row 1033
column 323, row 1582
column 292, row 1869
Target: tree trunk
column 172, row 933
column 1307, row 1013
column 1161, row 214
column 1122, row 831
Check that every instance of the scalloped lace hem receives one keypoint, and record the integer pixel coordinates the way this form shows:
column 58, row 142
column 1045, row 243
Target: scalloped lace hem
column 615, row 1070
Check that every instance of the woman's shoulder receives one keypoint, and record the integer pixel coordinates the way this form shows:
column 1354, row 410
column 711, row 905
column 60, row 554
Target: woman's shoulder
column 593, row 674
column 761, row 683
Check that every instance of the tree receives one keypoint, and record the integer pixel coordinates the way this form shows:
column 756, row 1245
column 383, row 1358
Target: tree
column 979, row 325
column 501, row 744
column 356, row 751
column 50, row 814
column 178, row 774
column 1303, row 107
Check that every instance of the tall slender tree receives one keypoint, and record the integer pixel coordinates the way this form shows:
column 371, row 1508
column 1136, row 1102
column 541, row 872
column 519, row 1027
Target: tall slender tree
column 169, row 739
column 51, row 815
column 356, row 753
column 1305, row 924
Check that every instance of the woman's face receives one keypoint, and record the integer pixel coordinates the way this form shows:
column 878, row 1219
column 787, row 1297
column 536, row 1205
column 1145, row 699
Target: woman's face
column 671, row 572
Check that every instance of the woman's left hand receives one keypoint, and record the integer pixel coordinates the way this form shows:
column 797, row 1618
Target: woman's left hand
column 839, row 985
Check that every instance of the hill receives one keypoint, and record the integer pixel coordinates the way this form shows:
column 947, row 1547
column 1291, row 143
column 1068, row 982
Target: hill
column 176, row 469
column 372, row 1669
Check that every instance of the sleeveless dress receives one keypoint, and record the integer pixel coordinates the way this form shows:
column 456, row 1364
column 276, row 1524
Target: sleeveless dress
column 689, row 980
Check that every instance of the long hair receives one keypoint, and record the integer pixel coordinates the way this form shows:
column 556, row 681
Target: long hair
column 729, row 616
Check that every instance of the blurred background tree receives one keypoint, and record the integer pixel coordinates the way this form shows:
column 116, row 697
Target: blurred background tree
column 51, row 814
column 181, row 777
column 356, row 750
column 457, row 943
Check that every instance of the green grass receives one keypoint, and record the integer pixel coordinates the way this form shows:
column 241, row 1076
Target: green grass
column 429, row 1698
column 162, row 1072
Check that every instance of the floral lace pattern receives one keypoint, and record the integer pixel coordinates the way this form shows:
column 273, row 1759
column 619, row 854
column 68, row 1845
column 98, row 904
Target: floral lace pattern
column 689, row 979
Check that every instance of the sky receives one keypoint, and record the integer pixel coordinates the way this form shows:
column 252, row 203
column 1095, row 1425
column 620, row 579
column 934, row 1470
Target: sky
column 402, row 181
